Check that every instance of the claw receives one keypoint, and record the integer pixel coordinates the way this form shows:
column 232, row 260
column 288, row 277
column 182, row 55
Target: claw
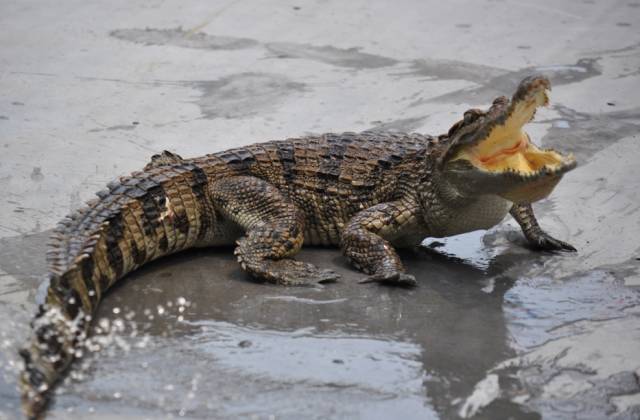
column 548, row 243
column 392, row 279
column 328, row 276
column 289, row 272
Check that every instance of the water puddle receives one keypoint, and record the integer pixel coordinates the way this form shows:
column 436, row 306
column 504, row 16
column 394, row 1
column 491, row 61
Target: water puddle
column 469, row 247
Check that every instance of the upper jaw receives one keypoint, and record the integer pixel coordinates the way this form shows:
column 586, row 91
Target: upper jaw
column 495, row 144
column 493, row 155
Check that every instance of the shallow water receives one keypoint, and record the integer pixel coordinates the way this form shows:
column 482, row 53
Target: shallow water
column 495, row 330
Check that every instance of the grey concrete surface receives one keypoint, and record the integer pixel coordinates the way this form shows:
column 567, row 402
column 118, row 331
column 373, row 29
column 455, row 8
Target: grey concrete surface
column 89, row 90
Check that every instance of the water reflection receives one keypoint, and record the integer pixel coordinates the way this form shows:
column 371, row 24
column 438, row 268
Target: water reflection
column 346, row 350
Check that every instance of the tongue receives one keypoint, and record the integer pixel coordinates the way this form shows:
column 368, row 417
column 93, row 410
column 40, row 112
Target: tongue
column 504, row 153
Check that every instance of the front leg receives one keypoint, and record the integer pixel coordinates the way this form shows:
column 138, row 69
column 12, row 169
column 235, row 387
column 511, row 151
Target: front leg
column 538, row 238
column 365, row 241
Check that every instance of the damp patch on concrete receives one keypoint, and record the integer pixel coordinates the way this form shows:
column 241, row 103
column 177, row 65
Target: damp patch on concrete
column 577, row 374
column 452, row 70
column 178, row 37
column 350, row 57
column 589, row 133
column 405, row 125
column 243, row 95
column 125, row 127
column 36, row 174
column 491, row 87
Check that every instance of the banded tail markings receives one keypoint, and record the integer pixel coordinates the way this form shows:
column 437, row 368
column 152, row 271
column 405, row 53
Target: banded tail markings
column 152, row 205
column 199, row 191
column 138, row 245
column 189, row 189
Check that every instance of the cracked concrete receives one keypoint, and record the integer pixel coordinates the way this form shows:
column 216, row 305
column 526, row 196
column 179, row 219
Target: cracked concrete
column 91, row 90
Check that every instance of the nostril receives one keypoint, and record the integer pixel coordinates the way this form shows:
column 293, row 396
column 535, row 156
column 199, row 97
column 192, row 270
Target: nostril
column 501, row 100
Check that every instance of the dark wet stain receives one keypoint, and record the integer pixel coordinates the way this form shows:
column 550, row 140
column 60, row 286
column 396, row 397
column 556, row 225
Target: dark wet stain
column 634, row 5
column 629, row 73
column 590, row 133
column 561, row 74
column 591, row 402
column 245, row 343
column 36, row 174
column 3, row 117
column 244, row 95
column 538, row 308
column 16, row 103
column 350, row 57
column 524, row 47
column 125, row 127
column 341, row 57
column 448, row 287
column 452, row 70
column 179, row 38
column 23, row 257
column 463, row 25
column 455, row 330
column 405, row 125
column 623, row 24
column 628, row 48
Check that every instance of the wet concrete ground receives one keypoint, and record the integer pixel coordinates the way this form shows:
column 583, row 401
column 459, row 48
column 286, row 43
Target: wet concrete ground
column 495, row 330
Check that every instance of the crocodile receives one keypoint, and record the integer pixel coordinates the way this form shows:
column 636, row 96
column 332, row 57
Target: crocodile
column 368, row 193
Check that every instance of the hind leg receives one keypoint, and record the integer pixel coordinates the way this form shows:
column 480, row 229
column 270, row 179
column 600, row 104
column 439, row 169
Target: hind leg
column 273, row 231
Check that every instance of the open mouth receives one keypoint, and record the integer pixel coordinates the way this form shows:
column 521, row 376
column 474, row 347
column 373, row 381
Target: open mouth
column 507, row 148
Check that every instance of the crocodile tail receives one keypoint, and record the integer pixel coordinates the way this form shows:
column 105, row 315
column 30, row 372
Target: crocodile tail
column 161, row 210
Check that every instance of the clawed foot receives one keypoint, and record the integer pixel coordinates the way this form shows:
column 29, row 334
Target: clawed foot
column 546, row 242
column 289, row 272
column 392, row 279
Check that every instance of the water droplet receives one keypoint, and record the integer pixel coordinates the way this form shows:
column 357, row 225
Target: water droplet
column 116, row 310
column 117, row 395
column 104, row 324
column 561, row 124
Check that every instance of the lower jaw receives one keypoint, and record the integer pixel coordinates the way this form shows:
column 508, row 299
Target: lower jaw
column 532, row 191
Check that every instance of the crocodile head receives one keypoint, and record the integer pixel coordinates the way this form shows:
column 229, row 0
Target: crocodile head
column 489, row 152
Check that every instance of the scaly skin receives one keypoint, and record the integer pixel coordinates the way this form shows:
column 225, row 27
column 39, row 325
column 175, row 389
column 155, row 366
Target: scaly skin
column 367, row 192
